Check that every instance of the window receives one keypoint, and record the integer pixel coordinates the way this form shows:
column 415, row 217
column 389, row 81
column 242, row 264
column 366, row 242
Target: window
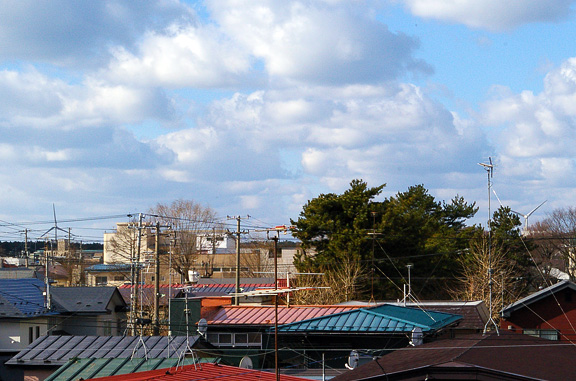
column 225, row 339
column 107, row 325
column 101, row 280
column 241, row 339
column 30, row 335
column 119, row 278
column 250, row 339
column 550, row 334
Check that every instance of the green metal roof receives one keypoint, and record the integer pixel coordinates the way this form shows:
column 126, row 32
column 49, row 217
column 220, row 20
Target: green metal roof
column 385, row 318
column 86, row 368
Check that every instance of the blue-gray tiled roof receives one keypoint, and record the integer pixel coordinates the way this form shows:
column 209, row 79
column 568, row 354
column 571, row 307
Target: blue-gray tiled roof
column 21, row 298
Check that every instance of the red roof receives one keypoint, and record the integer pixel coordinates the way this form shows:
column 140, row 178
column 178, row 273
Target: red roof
column 264, row 315
column 205, row 371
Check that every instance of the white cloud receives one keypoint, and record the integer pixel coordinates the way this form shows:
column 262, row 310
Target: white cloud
column 180, row 56
column 495, row 15
column 317, row 42
column 538, row 131
column 379, row 134
column 79, row 33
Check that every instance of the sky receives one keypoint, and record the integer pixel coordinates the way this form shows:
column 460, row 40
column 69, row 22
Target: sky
column 254, row 107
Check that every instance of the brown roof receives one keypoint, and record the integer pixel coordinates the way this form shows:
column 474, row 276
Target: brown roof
column 474, row 313
column 505, row 356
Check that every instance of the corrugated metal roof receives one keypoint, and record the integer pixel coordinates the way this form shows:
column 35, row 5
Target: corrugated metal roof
column 57, row 350
column 201, row 372
column 384, row 319
column 76, row 369
column 264, row 315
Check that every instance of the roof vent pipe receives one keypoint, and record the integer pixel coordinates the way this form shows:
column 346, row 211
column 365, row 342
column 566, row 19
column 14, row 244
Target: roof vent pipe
column 417, row 337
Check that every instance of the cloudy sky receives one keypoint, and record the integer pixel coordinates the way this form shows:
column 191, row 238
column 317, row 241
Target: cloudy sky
column 253, row 107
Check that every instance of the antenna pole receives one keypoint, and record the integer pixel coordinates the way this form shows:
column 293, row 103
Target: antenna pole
column 490, row 171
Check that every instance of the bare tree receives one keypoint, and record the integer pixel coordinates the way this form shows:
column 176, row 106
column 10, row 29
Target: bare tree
column 475, row 280
column 121, row 247
column 337, row 284
column 191, row 225
column 557, row 233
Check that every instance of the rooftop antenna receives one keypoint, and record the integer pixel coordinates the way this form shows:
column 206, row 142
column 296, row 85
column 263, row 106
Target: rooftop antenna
column 490, row 172
column 528, row 215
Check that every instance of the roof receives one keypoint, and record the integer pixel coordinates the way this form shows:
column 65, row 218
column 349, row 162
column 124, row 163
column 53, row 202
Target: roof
column 16, row 273
column 537, row 296
column 109, row 267
column 76, row 369
column 265, row 315
column 22, row 298
column 84, row 299
column 201, row 372
column 509, row 354
column 57, row 349
column 386, row 318
column 474, row 313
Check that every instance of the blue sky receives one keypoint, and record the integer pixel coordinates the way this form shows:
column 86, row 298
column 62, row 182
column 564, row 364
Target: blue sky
column 253, row 107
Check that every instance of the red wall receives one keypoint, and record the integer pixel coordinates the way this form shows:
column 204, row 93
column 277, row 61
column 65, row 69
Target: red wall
column 556, row 311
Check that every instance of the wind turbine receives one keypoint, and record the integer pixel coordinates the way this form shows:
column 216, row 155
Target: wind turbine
column 55, row 227
column 528, row 215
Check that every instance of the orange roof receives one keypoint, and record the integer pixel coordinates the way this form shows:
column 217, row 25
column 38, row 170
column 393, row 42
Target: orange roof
column 205, row 371
column 264, row 315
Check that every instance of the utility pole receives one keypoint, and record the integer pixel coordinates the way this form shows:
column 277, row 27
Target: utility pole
column 275, row 238
column 135, row 269
column 26, row 247
column 238, row 233
column 156, row 329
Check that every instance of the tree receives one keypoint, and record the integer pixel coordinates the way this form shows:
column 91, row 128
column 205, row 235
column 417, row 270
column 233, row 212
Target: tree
column 474, row 283
column 507, row 236
column 332, row 229
column 427, row 234
column 334, row 226
column 384, row 237
column 557, row 234
column 191, row 224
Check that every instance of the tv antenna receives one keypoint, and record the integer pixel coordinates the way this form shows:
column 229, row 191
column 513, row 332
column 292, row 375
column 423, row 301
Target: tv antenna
column 490, row 172
column 528, row 215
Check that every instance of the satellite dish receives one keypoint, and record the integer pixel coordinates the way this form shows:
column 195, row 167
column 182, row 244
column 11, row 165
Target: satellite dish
column 353, row 360
column 246, row 363
column 202, row 327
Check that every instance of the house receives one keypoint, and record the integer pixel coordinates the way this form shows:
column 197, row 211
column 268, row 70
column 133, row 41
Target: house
column 102, row 274
column 89, row 310
column 310, row 332
column 504, row 356
column 46, row 355
column 369, row 331
column 26, row 313
column 549, row 313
